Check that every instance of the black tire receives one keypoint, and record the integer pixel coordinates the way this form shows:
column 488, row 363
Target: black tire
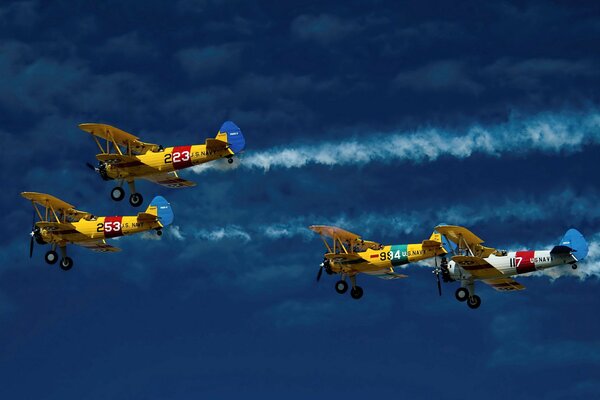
column 66, row 263
column 117, row 194
column 230, row 160
column 51, row 257
column 461, row 294
column 136, row 199
column 159, row 232
column 341, row 287
column 474, row 301
column 356, row 292
column 574, row 266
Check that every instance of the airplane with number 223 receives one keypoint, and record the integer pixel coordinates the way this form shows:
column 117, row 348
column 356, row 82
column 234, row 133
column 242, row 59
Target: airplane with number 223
column 350, row 255
column 471, row 261
column 124, row 158
column 59, row 224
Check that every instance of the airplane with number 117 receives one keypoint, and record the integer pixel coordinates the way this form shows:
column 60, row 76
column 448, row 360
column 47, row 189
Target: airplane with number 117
column 124, row 158
column 59, row 224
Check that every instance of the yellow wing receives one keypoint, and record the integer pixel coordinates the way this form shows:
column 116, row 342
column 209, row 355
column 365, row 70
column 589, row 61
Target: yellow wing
column 99, row 246
column 504, row 284
column 477, row 267
column 119, row 136
column 46, row 200
column 334, row 232
column 127, row 164
column 169, row 179
column 461, row 236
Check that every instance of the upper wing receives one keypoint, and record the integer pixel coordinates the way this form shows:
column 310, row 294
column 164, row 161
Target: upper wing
column 334, row 232
column 119, row 136
column 169, row 179
column 98, row 245
column 461, row 236
column 46, row 200
column 478, row 267
column 504, row 284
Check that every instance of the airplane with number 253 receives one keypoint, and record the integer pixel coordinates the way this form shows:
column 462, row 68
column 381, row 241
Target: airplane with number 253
column 59, row 224
column 124, row 158
column 350, row 255
column 471, row 261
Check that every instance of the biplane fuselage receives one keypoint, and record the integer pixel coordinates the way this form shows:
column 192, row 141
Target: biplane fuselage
column 381, row 261
column 96, row 228
column 167, row 160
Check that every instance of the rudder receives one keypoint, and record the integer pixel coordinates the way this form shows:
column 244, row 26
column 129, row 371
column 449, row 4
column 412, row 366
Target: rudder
column 235, row 138
column 160, row 207
column 575, row 240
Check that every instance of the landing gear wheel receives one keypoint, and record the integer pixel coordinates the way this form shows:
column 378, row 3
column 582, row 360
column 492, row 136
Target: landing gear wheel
column 159, row 232
column 136, row 199
column 574, row 266
column 461, row 294
column 341, row 287
column 474, row 301
column 66, row 264
column 356, row 292
column 117, row 194
column 51, row 257
column 230, row 160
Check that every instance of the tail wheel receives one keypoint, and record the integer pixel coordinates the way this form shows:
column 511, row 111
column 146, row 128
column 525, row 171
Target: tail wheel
column 51, row 257
column 66, row 263
column 461, row 294
column 230, row 160
column 356, row 292
column 117, row 194
column 341, row 287
column 159, row 232
column 474, row 301
column 574, row 266
column 136, row 199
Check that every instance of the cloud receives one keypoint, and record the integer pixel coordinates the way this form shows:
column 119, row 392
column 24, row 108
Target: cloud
column 22, row 14
column 548, row 133
column 209, row 60
column 230, row 232
column 323, row 28
column 448, row 75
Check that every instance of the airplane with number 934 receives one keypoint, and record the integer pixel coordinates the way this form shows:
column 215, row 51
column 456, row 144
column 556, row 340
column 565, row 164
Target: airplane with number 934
column 350, row 255
column 124, row 158
column 59, row 224
column 471, row 261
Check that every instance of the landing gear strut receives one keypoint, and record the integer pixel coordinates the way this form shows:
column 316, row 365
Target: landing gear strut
column 135, row 199
column 66, row 263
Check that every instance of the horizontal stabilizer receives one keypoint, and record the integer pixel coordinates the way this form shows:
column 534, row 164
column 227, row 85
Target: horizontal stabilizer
column 560, row 249
column 431, row 243
column 146, row 217
column 215, row 144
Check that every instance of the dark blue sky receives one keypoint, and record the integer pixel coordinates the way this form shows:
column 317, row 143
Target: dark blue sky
column 384, row 117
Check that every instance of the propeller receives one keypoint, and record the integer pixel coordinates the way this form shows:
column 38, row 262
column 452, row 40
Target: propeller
column 437, row 271
column 90, row 166
column 320, row 273
column 32, row 234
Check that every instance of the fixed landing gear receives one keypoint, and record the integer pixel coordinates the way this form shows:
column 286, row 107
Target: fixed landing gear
column 574, row 266
column 356, row 292
column 51, row 257
column 117, row 194
column 463, row 294
column 136, row 199
column 159, row 232
column 474, row 301
column 341, row 287
column 66, row 263
column 230, row 160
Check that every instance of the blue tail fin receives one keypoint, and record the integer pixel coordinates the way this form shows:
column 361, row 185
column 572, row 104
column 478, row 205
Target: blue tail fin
column 235, row 138
column 575, row 240
column 161, row 207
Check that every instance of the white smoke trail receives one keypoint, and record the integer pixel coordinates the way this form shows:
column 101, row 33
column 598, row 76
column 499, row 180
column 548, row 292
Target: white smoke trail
column 228, row 232
column 549, row 133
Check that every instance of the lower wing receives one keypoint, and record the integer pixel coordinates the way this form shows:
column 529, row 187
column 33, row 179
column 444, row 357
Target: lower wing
column 169, row 179
column 504, row 284
column 98, row 245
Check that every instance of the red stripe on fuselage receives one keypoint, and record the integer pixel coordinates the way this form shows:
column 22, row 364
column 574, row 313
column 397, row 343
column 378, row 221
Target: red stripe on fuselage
column 113, row 226
column 181, row 157
column 526, row 264
column 374, row 255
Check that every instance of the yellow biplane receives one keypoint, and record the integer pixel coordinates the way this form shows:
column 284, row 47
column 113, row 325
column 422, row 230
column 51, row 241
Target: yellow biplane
column 124, row 158
column 349, row 255
column 59, row 223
